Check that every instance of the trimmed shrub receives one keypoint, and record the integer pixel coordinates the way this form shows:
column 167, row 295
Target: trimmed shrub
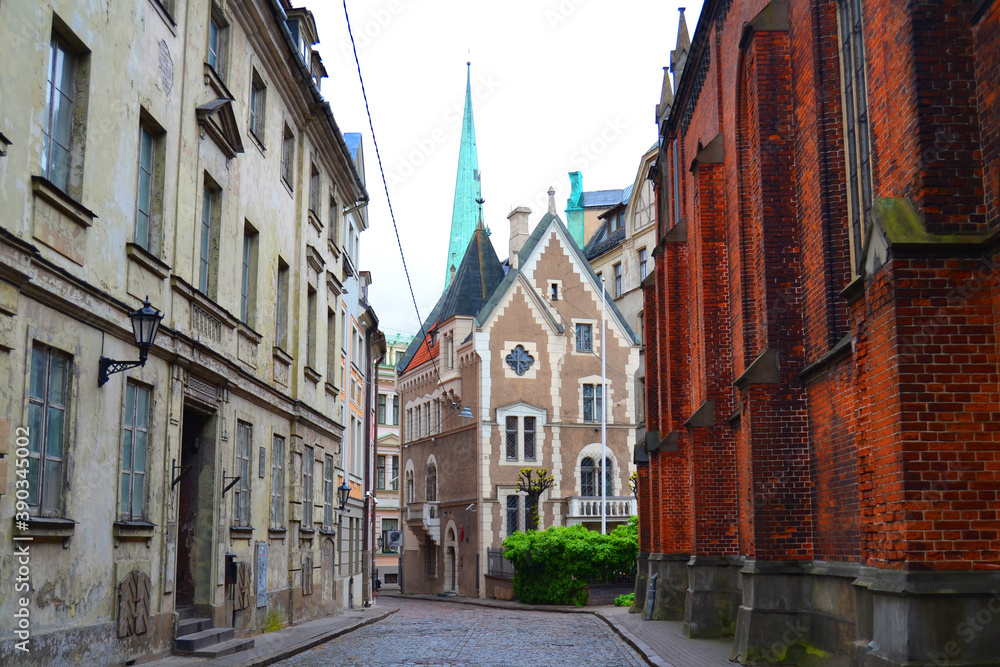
column 554, row 566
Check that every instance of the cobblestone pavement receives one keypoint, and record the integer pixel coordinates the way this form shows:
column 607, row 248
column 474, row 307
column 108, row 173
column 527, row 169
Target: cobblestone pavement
column 441, row 633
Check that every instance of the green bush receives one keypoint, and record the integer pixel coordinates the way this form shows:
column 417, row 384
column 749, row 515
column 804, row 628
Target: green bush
column 625, row 600
column 554, row 566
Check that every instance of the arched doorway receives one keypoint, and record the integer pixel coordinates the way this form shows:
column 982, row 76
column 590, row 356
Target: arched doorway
column 451, row 560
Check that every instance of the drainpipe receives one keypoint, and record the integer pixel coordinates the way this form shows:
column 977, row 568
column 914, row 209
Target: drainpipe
column 373, row 338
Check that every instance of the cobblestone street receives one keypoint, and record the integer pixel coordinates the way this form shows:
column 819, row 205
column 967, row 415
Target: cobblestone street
column 442, row 633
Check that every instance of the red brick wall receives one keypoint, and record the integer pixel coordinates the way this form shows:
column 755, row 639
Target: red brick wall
column 986, row 35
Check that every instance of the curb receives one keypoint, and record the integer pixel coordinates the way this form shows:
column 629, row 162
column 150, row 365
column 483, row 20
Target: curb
column 313, row 642
column 651, row 656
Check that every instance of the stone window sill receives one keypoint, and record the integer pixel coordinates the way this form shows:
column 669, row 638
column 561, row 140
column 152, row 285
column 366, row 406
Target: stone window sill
column 50, row 529
column 312, row 374
column 72, row 209
column 147, row 260
column 134, row 531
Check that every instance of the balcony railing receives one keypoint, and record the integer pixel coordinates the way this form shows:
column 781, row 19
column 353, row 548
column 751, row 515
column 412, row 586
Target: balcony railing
column 617, row 507
column 429, row 517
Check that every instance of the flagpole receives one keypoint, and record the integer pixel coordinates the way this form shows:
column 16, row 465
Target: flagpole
column 604, row 418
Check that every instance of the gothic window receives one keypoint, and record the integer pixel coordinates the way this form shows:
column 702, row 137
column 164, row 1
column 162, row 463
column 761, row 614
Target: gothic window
column 584, row 337
column 592, row 403
column 431, row 483
column 519, row 360
column 590, row 473
column 855, row 97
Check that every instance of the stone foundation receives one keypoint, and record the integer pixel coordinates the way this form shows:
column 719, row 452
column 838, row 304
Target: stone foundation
column 641, row 583
column 927, row 618
column 671, row 585
column 713, row 596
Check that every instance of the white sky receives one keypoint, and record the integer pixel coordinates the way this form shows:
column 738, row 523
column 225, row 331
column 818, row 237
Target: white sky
column 557, row 85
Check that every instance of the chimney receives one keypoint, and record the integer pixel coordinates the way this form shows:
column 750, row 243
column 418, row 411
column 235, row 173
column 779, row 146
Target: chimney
column 518, row 232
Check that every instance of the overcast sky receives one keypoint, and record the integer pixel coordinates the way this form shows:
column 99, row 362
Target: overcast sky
column 558, row 86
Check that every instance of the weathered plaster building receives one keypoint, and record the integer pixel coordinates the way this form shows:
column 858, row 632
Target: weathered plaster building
column 388, row 473
column 179, row 151
column 823, row 390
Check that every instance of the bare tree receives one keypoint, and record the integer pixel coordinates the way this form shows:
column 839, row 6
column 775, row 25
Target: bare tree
column 534, row 483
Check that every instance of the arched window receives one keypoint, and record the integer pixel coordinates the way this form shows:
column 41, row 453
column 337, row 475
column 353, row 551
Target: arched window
column 432, row 483
column 590, row 472
column 409, row 487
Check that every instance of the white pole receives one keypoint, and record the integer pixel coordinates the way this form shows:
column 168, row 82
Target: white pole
column 604, row 420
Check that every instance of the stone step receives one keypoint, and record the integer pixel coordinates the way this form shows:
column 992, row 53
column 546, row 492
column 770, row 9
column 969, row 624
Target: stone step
column 199, row 640
column 185, row 612
column 189, row 626
column 224, row 648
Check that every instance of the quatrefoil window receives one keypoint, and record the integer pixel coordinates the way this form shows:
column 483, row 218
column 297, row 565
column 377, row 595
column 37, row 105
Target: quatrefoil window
column 520, row 360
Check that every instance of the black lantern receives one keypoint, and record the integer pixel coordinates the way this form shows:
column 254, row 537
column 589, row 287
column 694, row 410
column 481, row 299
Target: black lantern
column 145, row 324
column 343, row 493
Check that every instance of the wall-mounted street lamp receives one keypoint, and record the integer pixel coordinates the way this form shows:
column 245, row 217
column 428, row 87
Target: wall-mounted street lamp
column 465, row 415
column 145, row 324
column 343, row 493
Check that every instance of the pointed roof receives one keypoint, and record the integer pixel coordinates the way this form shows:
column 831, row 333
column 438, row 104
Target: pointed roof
column 476, row 278
column 465, row 211
column 678, row 57
column 541, row 230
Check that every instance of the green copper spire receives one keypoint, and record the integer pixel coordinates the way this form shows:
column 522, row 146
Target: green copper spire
column 465, row 213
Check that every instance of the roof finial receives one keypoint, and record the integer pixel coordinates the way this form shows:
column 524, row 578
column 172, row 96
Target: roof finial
column 552, row 200
column 480, row 201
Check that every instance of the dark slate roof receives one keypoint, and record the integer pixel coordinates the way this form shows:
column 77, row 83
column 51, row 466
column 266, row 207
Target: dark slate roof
column 601, row 198
column 353, row 140
column 540, row 230
column 477, row 275
column 476, row 278
column 601, row 243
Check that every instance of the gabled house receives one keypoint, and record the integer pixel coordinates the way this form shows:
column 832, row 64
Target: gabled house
column 508, row 375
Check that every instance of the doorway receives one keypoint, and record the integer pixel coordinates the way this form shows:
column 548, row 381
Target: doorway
column 195, row 510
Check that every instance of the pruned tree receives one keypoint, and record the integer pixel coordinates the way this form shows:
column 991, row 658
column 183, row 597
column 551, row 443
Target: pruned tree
column 534, row 483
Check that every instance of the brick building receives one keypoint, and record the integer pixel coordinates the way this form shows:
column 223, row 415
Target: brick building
column 822, row 467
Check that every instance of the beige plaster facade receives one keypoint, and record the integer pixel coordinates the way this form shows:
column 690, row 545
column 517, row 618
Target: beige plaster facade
column 241, row 381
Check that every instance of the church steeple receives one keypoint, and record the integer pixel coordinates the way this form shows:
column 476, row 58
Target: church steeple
column 466, row 210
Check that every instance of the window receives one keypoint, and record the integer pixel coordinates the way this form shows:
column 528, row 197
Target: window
column 410, row 491
column 431, row 483
column 381, row 408
column 640, row 400
column 281, row 316
column 513, row 514
column 314, row 191
column 592, row 403
column 618, row 280
column 395, row 411
column 307, row 488
column 331, row 344
column 641, row 330
column 47, row 398
column 311, row 327
column 512, row 437
column 528, row 437
column 209, row 254
column 677, row 181
column 855, row 95
column 217, row 34
column 334, row 222
column 584, row 338
column 642, row 264
column 144, row 196
column 287, row 155
column 394, row 473
column 389, row 525
column 554, row 291
column 135, row 439
column 590, row 473
column 328, row 492
column 258, row 100
column 277, row 481
column 380, row 471
column 60, row 114
column 430, row 559
column 241, row 497
column 248, row 281
column 343, row 331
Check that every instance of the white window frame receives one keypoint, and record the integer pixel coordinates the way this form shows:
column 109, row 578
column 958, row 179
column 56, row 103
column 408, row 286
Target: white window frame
column 519, row 411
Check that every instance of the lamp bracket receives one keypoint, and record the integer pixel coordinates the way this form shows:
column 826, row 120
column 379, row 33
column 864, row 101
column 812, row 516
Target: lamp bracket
column 184, row 470
column 108, row 367
column 231, row 484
